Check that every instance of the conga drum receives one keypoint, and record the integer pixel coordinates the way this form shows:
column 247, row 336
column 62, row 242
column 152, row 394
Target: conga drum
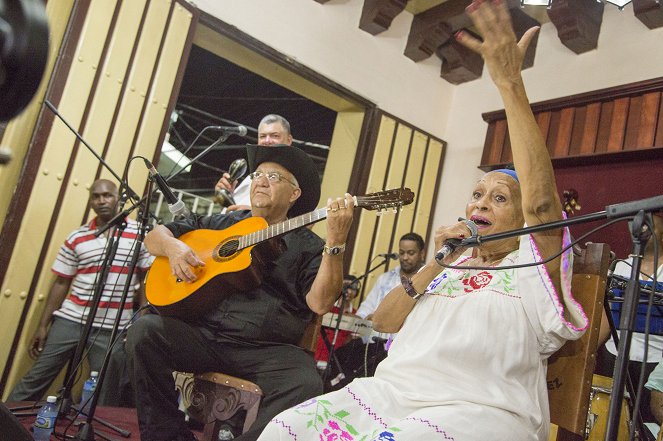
column 597, row 416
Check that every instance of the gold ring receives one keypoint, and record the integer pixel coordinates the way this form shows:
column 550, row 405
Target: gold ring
column 334, row 210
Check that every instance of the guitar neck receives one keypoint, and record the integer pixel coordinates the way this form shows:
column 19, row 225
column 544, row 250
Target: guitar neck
column 376, row 201
column 282, row 228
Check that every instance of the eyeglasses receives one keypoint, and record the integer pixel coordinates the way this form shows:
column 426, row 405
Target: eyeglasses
column 272, row 176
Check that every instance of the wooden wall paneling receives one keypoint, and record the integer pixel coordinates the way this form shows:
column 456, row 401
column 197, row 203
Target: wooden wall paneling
column 367, row 220
column 591, row 129
column 59, row 153
column 632, row 128
column 658, row 141
column 413, row 177
column 553, row 133
column 605, row 122
column 161, row 90
column 563, row 139
column 429, row 183
column 496, row 143
column 577, row 130
column 648, row 120
column 618, row 125
column 543, row 119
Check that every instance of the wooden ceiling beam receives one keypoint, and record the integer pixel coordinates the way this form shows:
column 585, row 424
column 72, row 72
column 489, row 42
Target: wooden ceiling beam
column 578, row 23
column 521, row 23
column 649, row 12
column 433, row 27
column 459, row 64
column 377, row 15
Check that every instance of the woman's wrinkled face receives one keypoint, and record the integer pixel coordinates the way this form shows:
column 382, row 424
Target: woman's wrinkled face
column 496, row 204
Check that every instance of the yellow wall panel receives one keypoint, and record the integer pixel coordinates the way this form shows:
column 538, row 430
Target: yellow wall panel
column 413, row 177
column 338, row 168
column 166, row 71
column 41, row 205
column 431, row 170
column 19, row 129
column 368, row 220
column 58, row 151
column 135, row 94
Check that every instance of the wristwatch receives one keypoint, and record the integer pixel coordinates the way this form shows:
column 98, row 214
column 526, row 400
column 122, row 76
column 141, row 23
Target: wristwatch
column 335, row 250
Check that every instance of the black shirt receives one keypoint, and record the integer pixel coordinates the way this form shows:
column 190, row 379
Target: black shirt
column 276, row 310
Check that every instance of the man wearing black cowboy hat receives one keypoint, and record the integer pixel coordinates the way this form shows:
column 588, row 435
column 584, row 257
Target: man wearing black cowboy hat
column 252, row 335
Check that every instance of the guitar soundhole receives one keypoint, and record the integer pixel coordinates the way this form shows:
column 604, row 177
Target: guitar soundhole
column 226, row 250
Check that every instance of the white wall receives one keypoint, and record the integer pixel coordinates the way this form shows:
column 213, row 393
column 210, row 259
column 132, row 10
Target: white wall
column 326, row 38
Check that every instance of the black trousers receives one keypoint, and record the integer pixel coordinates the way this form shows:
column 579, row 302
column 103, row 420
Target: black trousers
column 158, row 345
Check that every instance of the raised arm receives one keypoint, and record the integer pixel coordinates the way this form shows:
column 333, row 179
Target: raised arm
column 503, row 56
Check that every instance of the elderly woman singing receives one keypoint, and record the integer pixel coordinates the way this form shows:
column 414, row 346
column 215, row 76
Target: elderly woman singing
column 469, row 361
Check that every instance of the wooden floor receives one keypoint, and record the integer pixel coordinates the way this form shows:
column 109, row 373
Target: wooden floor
column 121, row 417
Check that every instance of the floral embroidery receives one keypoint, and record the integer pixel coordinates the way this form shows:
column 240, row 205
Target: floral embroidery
column 477, row 281
column 333, row 432
column 335, row 426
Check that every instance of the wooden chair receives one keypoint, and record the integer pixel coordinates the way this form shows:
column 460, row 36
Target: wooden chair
column 214, row 397
column 570, row 370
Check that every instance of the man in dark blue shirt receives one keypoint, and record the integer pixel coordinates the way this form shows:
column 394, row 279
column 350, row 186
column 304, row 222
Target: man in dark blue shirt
column 251, row 334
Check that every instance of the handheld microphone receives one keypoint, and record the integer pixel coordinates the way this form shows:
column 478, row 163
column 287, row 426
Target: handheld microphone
column 232, row 130
column 236, row 170
column 176, row 206
column 450, row 245
column 388, row 256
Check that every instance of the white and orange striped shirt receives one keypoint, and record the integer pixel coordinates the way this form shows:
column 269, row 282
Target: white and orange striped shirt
column 80, row 258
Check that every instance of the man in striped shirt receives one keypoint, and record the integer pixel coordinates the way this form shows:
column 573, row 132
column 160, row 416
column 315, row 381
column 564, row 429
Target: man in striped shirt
column 77, row 267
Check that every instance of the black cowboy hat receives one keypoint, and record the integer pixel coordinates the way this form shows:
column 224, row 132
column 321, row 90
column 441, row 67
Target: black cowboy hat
column 297, row 162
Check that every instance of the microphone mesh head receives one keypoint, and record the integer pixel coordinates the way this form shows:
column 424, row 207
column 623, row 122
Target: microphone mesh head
column 242, row 130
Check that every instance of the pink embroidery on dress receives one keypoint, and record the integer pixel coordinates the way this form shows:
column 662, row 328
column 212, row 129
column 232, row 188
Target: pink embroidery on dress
column 542, row 271
column 333, row 432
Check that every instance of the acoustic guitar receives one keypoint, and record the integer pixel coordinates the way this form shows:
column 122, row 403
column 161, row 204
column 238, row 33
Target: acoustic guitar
column 235, row 257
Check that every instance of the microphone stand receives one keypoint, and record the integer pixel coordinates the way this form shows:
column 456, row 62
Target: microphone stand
column 332, row 356
column 86, row 431
column 637, row 210
column 111, row 248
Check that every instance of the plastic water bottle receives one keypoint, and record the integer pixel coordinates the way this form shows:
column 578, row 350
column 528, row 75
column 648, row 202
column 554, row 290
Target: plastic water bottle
column 45, row 422
column 88, row 390
column 225, row 433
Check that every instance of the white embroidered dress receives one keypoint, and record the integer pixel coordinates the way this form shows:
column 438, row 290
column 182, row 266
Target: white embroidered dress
column 468, row 364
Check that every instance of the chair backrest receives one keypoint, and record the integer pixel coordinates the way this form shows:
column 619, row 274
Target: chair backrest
column 571, row 368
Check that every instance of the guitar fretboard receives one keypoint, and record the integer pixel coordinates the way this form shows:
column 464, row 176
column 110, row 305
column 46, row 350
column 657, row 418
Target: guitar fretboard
column 282, row 228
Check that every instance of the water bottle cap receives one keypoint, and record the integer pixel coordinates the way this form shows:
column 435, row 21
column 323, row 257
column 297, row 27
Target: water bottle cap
column 94, row 374
column 52, row 399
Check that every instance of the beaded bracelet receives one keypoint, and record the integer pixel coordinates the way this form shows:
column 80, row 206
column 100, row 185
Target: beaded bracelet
column 409, row 288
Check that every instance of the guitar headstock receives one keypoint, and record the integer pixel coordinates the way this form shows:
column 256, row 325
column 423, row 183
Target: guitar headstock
column 386, row 199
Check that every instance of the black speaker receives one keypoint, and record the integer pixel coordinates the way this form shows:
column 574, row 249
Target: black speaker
column 10, row 428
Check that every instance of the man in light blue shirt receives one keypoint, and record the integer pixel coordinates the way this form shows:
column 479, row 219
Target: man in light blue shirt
column 360, row 356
